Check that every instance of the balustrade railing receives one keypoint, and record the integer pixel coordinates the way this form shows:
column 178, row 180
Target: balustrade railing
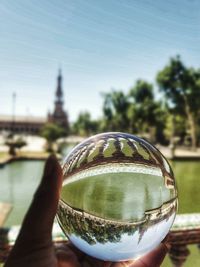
column 185, row 231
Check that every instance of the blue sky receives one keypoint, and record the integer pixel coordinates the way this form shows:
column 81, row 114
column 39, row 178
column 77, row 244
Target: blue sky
column 100, row 45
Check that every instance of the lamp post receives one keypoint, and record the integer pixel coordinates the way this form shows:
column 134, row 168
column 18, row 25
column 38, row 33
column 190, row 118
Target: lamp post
column 13, row 111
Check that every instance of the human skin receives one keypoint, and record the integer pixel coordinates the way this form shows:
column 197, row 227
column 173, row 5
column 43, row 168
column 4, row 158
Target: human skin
column 34, row 246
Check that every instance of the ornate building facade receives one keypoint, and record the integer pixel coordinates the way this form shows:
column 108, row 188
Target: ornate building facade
column 21, row 124
column 33, row 125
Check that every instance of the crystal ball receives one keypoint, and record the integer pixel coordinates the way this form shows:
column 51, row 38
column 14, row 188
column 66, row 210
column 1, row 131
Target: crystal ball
column 118, row 199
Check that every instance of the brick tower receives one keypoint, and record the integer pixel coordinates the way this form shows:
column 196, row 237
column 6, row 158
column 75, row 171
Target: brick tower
column 59, row 116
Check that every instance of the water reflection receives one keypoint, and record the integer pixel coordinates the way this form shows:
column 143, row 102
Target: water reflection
column 120, row 196
column 90, row 233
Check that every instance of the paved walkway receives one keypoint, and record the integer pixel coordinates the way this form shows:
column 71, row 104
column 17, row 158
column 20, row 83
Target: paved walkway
column 5, row 209
column 180, row 153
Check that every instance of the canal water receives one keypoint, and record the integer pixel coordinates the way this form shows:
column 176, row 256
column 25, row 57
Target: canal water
column 19, row 180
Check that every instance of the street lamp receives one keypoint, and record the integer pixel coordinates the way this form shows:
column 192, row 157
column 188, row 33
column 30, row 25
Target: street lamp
column 13, row 112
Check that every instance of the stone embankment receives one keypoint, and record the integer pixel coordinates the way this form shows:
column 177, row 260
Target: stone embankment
column 29, row 156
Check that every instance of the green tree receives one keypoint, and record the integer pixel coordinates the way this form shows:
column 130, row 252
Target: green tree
column 181, row 86
column 115, row 110
column 146, row 114
column 175, row 128
column 51, row 132
column 84, row 125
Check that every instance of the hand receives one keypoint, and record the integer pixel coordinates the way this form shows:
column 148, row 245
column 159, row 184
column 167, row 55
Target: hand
column 34, row 246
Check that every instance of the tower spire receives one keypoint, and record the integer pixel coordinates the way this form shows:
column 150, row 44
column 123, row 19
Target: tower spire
column 59, row 92
column 59, row 116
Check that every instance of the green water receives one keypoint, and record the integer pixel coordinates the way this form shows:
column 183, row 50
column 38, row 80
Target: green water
column 120, row 196
column 20, row 179
column 187, row 174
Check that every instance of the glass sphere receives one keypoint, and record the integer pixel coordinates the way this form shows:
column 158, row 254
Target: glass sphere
column 119, row 197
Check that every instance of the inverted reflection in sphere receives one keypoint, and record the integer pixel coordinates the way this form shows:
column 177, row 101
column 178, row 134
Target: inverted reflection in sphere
column 118, row 199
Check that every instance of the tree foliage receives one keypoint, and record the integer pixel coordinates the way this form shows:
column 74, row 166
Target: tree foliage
column 84, row 125
column 148, row 114
column 181, row 86
column 51, row 132
column 115, row 109
column 175, row 114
